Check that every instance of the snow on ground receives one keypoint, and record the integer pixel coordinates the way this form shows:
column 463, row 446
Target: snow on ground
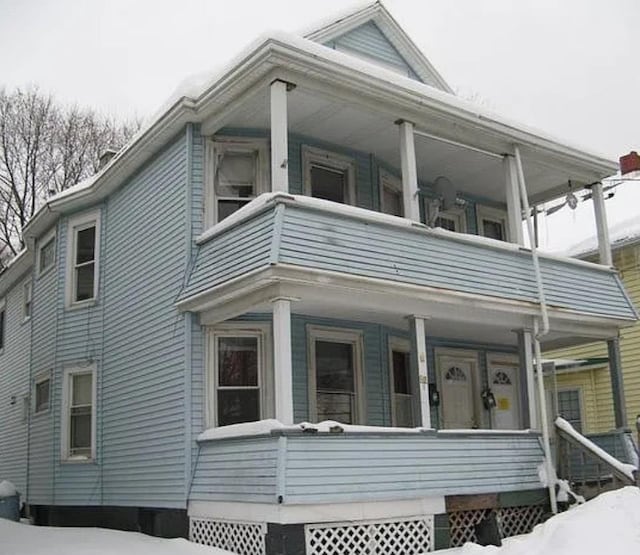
column 610, row 523
column 22, row 539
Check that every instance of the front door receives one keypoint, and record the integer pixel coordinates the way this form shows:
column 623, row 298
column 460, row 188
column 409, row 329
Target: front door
column 503, row 380
column 456, row 392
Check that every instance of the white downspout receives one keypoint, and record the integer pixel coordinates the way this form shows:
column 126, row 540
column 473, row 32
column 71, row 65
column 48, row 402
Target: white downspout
column 538, row 333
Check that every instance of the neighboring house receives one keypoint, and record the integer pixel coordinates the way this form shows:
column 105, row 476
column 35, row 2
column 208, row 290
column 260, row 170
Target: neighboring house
column 582, row 380
column 321, row 232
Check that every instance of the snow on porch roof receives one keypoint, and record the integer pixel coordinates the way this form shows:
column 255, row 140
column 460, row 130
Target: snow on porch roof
column 620, row 234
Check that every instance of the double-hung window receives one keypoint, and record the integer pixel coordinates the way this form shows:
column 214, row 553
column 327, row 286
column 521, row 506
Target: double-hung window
column 391, row 194
column 79, row 410
column 27, row 299
column 238, row 357
column 42, row 393
column 401, row 399
column 238, row 173
column 46, row 256
column 83, row 259
column 492, row 222
column 328, row 175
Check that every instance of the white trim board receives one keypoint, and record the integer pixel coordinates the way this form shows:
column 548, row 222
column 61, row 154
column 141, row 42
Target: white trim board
column 319, row 512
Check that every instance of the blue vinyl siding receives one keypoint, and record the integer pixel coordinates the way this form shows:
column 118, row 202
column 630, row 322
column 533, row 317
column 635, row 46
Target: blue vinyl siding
column 337, row 468
column 334, row 469
column 14, row 386
column 236, row 470
column 368, row 40
column 142, row 391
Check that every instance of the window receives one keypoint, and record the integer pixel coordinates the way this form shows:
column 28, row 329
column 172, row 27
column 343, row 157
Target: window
column 452, row 220
column 42, row 393
column 79, row 405
column 27, row 294
column 401, row 397
column 83, row 258
column 238, row 357
column 238, row 174
column 2, row 323
column 328, row 176
column 492, row 223
column 46, row 256
column 570, row 407
column 391, row 201
column 335, row 381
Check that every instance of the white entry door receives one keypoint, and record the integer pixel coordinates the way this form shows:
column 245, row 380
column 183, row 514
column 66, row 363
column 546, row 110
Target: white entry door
column 456, row 393
column 503, row 381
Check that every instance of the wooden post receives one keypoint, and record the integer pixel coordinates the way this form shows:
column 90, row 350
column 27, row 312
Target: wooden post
column 419, row 345
column 410, row 198
column 282, row 365
column 514, row 212
column 279, row 143
column 617, row 386
column 526, row 360
column 604, row 247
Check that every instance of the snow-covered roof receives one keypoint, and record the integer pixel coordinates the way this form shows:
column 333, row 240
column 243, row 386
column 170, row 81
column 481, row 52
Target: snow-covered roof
column 620, row 234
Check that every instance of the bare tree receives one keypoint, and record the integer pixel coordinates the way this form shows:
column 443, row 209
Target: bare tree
column 45, row 148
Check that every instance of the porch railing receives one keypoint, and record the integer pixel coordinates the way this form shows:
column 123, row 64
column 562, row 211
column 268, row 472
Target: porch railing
column 589, row 467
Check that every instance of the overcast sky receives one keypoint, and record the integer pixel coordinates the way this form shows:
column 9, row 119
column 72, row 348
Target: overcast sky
column 569, row 67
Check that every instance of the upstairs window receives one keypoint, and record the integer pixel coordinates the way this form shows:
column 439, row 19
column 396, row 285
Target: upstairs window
column 391, row 201
column 492, row 223
column 82, row 259
column 46, row 256
column 27, row 300
column 328, row 175
column 238, row 174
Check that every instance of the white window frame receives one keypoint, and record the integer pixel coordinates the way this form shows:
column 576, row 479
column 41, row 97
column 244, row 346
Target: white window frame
column 393, row 183
column 66, row 413
column 580, row 392
column 338, row 335
column 312, row 156
column 40, row 378
column 261, row 330
column 494, row 214
column 3, row 327
column 27, row 300
column 76, row 224
column 458, row 215
column 404, row 346
column 43, row 242
column 239, row 144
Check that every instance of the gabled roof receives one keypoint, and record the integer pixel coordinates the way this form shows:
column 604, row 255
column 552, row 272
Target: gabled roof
column 376, row 13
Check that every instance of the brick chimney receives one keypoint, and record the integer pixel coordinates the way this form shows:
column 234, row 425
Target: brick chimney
column 629, row 163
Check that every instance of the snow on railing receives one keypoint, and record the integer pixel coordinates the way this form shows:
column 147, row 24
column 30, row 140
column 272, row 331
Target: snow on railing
column 622, row 470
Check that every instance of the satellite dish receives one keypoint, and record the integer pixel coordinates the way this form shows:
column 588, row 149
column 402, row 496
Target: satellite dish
column 446, row 192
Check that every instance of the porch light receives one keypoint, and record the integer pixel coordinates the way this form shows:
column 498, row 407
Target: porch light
column 434, row 396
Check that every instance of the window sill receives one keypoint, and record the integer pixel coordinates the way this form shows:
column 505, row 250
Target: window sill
column 25, row 321
column 41, row 412
column 78, row 460
column 82, row 304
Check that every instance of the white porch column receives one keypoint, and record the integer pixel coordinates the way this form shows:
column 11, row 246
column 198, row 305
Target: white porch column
column 604, row 247
column 411, row 202
column 282, row 367
column 514, row 213
column 527, row 355
column 279, row 143
column 423, row 375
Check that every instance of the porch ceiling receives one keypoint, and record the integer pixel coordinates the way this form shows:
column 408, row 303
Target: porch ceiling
column 327, row 118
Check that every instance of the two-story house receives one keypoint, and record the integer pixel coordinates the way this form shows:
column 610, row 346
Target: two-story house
column 321, row 233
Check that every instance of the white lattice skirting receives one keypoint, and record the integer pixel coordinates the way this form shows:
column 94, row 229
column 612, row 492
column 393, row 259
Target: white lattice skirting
column 243, row 538
column 374, row 537
column 511, row 522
